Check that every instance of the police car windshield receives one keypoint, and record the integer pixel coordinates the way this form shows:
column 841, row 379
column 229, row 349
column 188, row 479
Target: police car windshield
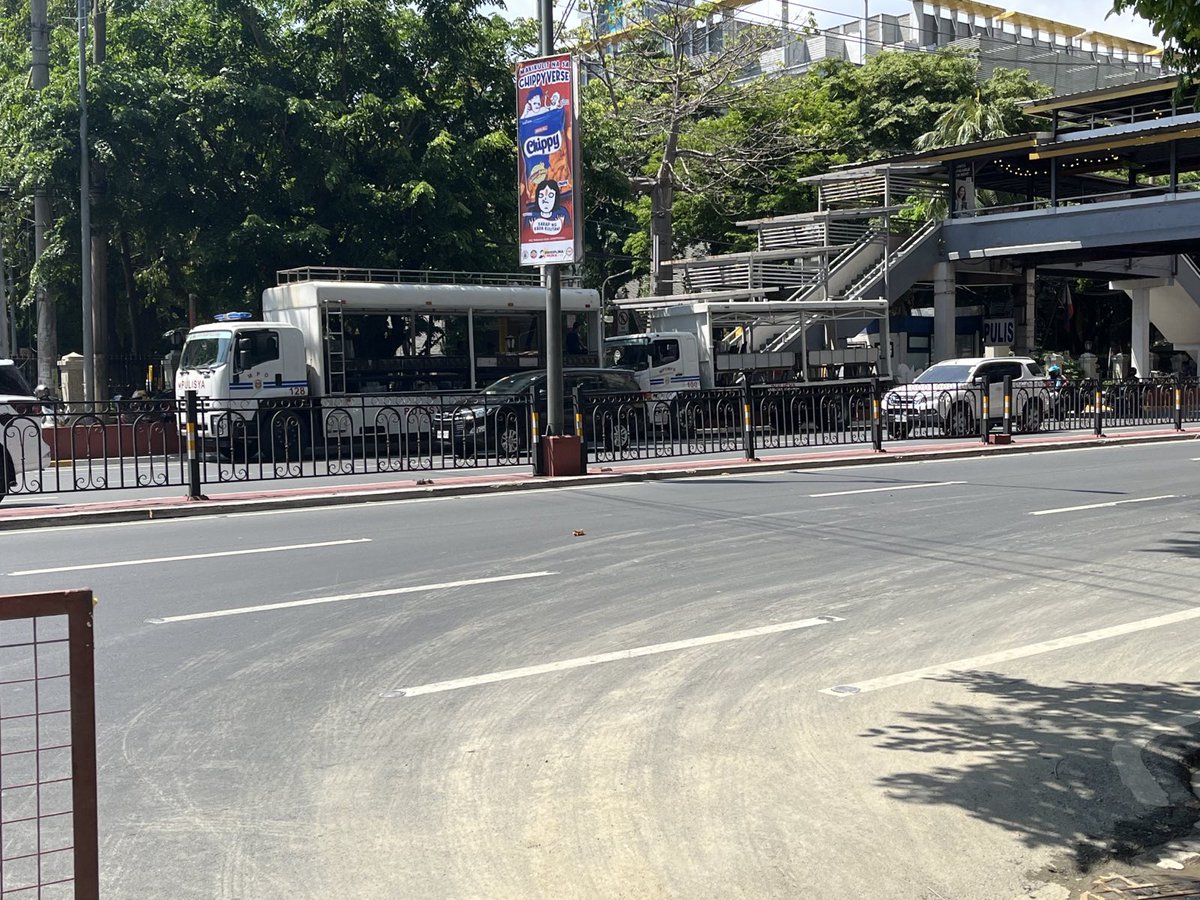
column 943, row 374
column 203, row 351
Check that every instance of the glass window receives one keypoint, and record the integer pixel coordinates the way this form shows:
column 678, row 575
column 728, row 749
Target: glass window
column 514, row 384
column 943, row 373
column 665, row 352
column 260, row 346
column 998, row 371
column 11, row 382
column 205, row 350
column 631, row 355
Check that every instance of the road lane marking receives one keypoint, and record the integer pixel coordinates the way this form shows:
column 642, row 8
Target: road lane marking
column 164, row 559
column 341, row 598
column 1063, row 509
column 596, row 659
column 974, row 663
column 895, row 487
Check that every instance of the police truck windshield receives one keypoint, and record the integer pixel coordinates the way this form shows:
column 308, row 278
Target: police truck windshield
column 628, row 356
column 203, row 351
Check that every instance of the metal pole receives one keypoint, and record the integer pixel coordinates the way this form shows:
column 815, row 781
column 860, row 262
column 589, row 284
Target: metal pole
column 471, row 343
column 876, row 417
column 85, row 217
column 985, row 409
column 6, row 348
column 192, row 450
column 747, row 416
column 81, row 644
column 47, row 316
column 551, row 277
column 1008, row 405
column 1178, row 402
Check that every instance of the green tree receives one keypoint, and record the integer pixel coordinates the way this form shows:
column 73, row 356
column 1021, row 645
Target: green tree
column 992, row 111
column 239, row 139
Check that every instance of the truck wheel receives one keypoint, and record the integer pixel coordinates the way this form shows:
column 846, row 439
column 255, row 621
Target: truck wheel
column 288, row 437
column 959, row 421
column 243, row 442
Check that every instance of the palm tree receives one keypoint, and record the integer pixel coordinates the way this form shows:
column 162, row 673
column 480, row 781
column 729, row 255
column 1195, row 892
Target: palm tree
column 970, row 120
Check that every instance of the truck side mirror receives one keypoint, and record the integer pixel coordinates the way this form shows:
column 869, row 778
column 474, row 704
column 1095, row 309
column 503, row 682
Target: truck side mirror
column 241, row 357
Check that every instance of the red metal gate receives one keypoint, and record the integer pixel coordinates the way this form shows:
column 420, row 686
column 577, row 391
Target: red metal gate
column 48, row 825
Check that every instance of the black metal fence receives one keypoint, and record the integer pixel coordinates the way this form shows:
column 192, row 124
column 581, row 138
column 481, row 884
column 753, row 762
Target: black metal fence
column 143, row 443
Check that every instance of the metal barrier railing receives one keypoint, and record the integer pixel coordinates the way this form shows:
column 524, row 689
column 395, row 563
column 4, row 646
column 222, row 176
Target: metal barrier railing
column 49, row 844
column 143, row 444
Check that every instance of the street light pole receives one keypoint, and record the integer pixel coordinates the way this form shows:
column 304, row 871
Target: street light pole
column 552, row 279
column 85, row 216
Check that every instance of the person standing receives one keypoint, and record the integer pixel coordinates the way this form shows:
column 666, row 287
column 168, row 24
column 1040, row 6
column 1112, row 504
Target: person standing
column 574, row 344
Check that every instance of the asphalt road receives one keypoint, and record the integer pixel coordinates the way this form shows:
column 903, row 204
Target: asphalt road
column 908, row 681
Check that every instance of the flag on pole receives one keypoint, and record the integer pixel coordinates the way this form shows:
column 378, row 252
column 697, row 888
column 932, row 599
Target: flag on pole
column 1070, row 307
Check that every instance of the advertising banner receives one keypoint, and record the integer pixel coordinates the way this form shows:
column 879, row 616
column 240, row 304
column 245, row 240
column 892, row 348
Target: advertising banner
column 548, row 170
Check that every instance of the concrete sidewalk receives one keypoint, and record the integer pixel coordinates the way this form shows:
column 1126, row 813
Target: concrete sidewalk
column 270, row 495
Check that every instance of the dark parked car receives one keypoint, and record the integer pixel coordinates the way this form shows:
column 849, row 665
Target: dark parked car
column 496, row 421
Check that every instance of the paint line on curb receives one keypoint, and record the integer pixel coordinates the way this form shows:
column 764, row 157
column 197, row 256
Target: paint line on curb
column 579, row 662
column 342, row 598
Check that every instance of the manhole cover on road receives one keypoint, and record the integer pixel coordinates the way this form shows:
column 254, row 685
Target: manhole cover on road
column 844, row 689
column 1143, row 887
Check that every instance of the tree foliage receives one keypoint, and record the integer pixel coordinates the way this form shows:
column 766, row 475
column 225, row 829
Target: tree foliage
column 239, row 139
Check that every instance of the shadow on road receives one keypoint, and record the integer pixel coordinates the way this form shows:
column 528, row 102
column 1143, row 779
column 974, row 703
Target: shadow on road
column 1186, row 544
column 1038, row 760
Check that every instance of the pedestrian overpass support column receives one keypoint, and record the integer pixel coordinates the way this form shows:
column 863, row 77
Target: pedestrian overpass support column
column 1139, row 339
column 943, row 311
column 1025, row 330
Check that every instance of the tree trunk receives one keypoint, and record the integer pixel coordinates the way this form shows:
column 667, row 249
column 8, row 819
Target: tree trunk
column 130, row 293
column 662, row 197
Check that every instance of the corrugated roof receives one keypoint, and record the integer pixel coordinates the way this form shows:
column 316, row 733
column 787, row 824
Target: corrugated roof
column 1163, row 85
